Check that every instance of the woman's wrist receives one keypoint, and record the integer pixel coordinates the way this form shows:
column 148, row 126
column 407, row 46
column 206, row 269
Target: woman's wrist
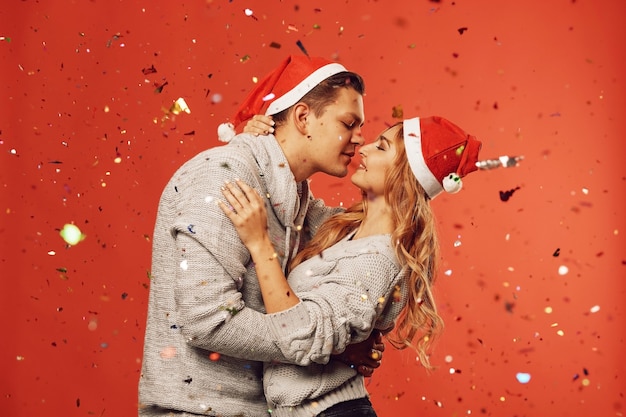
column 263, row 251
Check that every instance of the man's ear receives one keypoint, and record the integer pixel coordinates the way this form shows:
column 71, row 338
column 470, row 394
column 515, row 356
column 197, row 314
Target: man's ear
column 301, row 112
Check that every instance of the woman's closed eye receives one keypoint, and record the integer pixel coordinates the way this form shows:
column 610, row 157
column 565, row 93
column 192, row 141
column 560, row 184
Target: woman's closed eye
column 382, row 144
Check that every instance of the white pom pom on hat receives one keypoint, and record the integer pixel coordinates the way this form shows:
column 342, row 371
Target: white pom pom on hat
column 225, row 132
column 452, row 183
column 281, row 89
column 439, row 153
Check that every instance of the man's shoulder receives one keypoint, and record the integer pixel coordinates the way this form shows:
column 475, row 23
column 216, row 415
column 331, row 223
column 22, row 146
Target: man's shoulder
column 233, row 154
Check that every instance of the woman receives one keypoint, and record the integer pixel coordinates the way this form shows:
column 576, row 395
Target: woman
column 371, row 267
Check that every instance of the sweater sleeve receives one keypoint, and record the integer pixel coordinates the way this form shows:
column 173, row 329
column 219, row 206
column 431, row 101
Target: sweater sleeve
column 211, row 311
column 212, row 268
column 341, row 308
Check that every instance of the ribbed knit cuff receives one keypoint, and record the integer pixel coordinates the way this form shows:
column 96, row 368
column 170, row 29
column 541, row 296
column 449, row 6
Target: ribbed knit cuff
column 285, row 323
column 350, row 390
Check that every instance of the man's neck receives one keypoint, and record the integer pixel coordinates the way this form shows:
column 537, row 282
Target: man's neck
column 295, row 150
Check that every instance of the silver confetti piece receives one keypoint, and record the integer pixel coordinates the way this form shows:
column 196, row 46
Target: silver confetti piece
column 503, row 161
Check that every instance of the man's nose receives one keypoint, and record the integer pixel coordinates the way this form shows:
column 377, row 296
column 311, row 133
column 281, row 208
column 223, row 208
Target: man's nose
column 357, row 137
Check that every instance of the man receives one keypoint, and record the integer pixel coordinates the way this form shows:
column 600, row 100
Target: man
column 202, row 355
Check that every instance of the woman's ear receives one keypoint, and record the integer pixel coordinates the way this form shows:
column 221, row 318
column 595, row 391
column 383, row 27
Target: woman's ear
column 301, row 112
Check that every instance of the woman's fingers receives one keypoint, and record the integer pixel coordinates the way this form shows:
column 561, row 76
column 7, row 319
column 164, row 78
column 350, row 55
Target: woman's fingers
column 259, row 125
column 366, row 371
column 251, row 195
column 232, row 199
column 242, row 197
column 228, row 210
column 236, row 193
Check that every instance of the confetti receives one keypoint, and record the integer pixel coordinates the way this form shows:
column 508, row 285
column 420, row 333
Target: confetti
column 113, row 38
column 250, row 13
column 179, row 106
column 150, row 70
column 168, row 352
column 275, row 45
column 397, row 294
column 159, row 88
column 214, row 356
column 522, row 377
column 71, row 234
column 505, row 195
column 397, row 112
column 302, row 48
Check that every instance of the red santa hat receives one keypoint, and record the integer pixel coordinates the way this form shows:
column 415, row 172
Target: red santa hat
column 440, row 153
column 281, row 89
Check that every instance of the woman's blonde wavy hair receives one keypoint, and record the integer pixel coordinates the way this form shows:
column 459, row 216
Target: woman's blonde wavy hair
column 417, row 249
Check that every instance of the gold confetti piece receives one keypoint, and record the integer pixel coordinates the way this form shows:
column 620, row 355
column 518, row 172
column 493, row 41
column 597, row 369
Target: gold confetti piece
column 179, row 106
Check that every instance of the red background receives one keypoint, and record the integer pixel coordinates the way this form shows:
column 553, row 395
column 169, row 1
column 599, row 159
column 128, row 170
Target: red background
column 540, row 78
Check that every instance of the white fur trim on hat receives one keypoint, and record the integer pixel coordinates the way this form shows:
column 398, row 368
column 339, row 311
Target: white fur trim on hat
column 413, row 145
column 225, row 132
column 292, row 96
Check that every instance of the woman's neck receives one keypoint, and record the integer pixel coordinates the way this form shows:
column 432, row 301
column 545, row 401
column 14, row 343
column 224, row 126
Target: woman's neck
column 377, row 221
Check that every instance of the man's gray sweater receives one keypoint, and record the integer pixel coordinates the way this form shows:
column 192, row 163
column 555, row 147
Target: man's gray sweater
column 204, row 294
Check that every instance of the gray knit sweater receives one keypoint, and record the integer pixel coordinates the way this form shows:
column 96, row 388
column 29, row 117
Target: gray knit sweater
column 204, row 294
column 344, row 293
